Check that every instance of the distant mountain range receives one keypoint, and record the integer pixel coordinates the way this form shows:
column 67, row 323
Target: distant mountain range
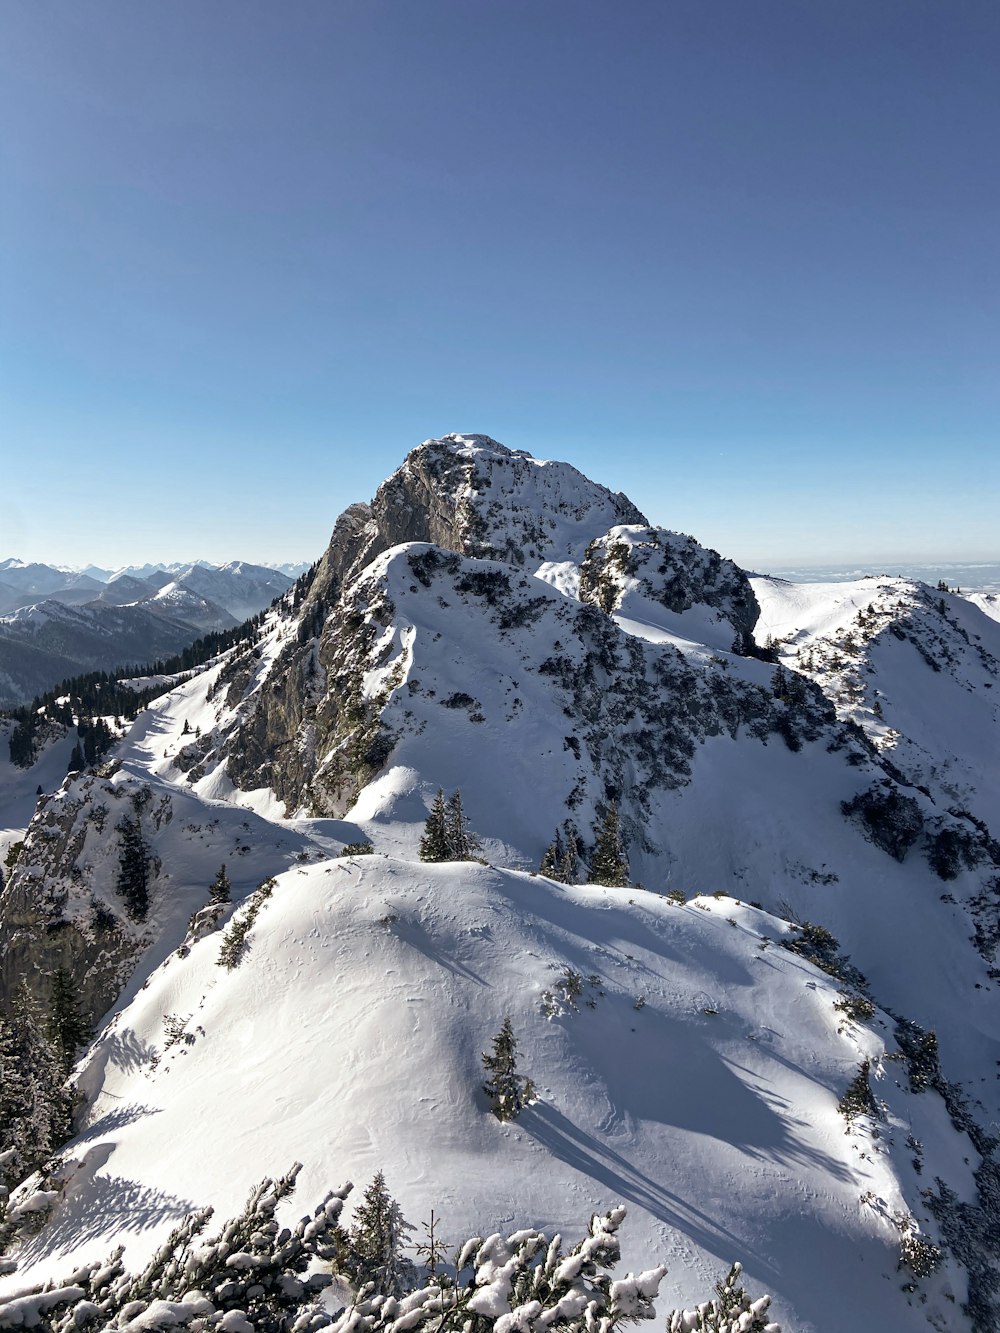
column 56, row 623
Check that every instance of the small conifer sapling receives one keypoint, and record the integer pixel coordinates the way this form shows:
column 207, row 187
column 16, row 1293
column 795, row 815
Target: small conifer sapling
column 434, row 843
column 509, row 1092
column 220, row 891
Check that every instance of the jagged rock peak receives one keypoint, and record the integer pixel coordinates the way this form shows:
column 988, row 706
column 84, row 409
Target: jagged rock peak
column 473, row 495
column 470, row 494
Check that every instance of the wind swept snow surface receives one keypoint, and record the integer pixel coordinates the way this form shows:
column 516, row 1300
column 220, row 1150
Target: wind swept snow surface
column 685, row 1066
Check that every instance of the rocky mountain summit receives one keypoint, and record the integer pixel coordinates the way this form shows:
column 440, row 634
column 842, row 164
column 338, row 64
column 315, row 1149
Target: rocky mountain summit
column 771, row 1030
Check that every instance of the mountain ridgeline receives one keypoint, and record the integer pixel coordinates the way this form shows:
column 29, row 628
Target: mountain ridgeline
column 725, row 876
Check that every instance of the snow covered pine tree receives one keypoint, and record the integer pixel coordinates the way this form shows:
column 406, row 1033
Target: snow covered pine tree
column 609, row 864
column 509, row 1092
column 375, row 1243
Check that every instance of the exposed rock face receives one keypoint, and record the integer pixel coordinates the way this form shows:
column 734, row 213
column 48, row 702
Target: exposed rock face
column 59, row 908
column 464, row 493
column 668, row 569
column 469, row 494
column 633, row 712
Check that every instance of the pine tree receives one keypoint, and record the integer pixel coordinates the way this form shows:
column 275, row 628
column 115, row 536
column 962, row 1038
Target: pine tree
column 509, row 1092
column 561, row 859
column 35, row 1105
column 133, row 868
column 553, row 857
column 462, row 842
column 569, row 865
column 88, row 733
column 66, row 1029
column 75, row 759
column 609, row 864
column 220, row 891
column 434, row 843
column 375, row 1242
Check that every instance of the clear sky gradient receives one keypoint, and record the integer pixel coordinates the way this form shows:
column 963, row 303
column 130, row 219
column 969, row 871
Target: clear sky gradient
column 737, row 258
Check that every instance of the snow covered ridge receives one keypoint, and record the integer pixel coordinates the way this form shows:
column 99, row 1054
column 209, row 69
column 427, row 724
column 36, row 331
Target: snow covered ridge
column 782, row 1050
column 432, row 657
column 675, row 1049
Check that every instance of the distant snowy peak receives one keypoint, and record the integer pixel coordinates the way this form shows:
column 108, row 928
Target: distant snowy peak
column 988, row 603
column 183, row 602
column 240, row 589
column 654, row 576
column 41, row 580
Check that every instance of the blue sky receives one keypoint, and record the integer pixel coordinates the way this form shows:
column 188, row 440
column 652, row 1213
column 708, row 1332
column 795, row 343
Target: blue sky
column 735, row 257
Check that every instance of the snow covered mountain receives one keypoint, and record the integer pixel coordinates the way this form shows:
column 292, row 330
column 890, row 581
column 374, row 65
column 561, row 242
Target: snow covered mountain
column 129, row 618
column 240, row 589
column 782, row 1049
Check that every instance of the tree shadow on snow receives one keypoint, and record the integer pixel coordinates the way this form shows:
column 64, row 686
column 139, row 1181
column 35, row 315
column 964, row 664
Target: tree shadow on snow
column 625, row 1181
column 109, row 1208
column 411, row 933
column 126, row 1051
column 117, row 1118
column 673, row 1075
column 608, row 921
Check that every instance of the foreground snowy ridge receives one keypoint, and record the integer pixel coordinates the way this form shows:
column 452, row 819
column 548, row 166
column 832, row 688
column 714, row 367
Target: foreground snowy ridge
column 705, row 1051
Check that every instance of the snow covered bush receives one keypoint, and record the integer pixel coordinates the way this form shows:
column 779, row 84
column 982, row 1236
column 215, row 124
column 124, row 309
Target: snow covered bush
column 732, row 1311
column 257, row 1276
column 918, row 1254
column 858, row 1099
column 519, row 1284
column 249, row 1278
column 889, row 819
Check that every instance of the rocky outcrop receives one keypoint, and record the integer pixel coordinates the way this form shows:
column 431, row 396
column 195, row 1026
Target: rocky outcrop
column 59, row 908
column 633, row 713
column 667, row 569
